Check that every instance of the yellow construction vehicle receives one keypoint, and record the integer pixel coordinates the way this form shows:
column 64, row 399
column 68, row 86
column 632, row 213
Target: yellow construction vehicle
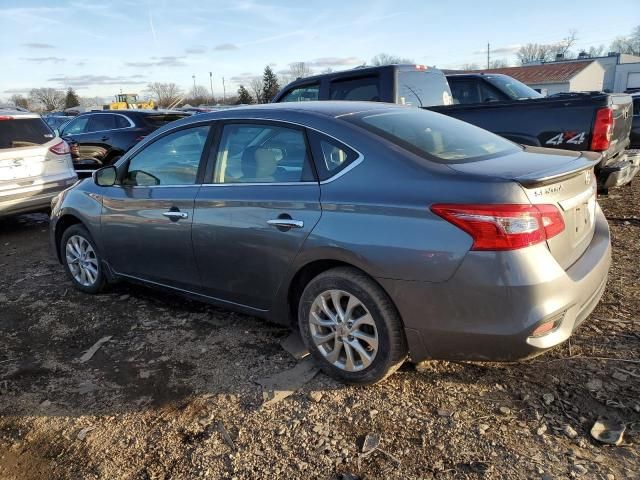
column 126, row 101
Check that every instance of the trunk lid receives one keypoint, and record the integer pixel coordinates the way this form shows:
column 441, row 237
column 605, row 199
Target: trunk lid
column 561, row 178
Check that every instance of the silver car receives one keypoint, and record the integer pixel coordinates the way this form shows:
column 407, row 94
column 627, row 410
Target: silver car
column 34, row 165
column 381, row 232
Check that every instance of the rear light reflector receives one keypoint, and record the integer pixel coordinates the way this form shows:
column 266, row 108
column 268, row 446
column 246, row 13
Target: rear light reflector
column 602, row 129
column 503, row 227
column 548, row 326
column 60, row 148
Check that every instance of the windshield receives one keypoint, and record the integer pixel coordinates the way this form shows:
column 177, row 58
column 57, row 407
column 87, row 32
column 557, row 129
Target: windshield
column 433, row 136
column 23, row 132
column 513, row 88
column 422, row 88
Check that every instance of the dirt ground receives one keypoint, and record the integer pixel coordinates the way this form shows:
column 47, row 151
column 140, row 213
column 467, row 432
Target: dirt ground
column 173, row 393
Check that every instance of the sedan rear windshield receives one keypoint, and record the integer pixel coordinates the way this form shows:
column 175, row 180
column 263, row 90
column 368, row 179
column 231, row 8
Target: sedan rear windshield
column 23, row 132
column 433, row 136
column 159, row 120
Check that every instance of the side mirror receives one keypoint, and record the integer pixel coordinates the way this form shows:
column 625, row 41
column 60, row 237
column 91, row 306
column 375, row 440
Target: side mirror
column 106, row 176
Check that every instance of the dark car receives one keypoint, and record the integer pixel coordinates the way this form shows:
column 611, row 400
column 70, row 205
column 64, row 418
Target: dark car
column 381, row 231
column 577, row 121
column 635, row 125
column 100, row 138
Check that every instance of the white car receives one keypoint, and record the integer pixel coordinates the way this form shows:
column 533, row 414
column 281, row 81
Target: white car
column 35, row 165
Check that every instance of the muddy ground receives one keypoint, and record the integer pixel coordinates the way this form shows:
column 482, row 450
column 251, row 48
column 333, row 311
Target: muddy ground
column 173, row 392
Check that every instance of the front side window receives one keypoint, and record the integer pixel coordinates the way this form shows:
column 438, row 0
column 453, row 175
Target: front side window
column 434, row 137
column 306, row 93
column 254, row 153
column 171, row 160
column 79, row 125
column 360, row 89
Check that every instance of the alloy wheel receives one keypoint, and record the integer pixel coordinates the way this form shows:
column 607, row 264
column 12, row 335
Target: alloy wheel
column 82, row 260
column 343, row 330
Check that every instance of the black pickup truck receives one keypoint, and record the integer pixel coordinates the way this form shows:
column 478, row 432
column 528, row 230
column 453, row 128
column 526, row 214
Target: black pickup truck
column 597, row 122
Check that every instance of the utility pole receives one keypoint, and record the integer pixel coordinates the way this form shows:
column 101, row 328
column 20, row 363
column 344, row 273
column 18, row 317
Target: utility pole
column 194, row 82
column 224, row 93
column 488, row 54
column 211, row 83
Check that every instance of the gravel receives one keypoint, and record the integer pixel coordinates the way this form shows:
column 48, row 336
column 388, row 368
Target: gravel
column 174, row 393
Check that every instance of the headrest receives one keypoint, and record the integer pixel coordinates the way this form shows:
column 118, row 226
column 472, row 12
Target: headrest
column 258, row 162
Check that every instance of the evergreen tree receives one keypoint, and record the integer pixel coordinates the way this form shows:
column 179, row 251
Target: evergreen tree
column 71, row 99
column 270, row 85
column 244, row 97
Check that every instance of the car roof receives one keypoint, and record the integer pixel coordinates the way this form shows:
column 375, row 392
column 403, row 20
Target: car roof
column 330, row 108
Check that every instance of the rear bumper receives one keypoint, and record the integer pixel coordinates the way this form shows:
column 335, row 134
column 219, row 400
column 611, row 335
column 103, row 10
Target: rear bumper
column 33, row 197
column 622, row 171
column 488, row 310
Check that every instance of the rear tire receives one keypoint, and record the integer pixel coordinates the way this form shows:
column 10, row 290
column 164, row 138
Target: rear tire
column 351, row 327
column 81, row 260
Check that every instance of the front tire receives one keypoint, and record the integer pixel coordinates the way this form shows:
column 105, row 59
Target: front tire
column 351, row 327
column 81, row 260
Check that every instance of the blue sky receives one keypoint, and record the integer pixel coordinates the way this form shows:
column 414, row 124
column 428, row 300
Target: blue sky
column 99, row 47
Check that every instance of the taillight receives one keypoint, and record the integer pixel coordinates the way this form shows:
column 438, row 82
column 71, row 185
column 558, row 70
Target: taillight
column 6, row 117
column 503, row 227
column 60, row 148
column 602, row 129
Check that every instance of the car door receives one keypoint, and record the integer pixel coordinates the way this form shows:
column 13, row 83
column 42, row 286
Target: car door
column 261, row 202
column 147, row 218
column 97, row 140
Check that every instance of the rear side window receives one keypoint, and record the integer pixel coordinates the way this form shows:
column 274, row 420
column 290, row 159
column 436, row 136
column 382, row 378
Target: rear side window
column 330, row 155
column 26, row 132
column 422, row 88
column 434, row 137
column 157, row 121
column 100, row 122
column 122, row 122
column 360, row 89
column 305, row 93
column 636, row 107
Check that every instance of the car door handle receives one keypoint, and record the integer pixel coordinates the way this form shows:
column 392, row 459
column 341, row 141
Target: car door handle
column 104, row 139
column 176, row 215
column 286, row 223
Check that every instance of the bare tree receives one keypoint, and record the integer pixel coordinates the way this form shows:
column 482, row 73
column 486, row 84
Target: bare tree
column 198, row 95
column 469, row 66
column 535, row 52
column 20, row 101
column 386, row 59
column 498, row 63
column 256, row 86
column 563, row 47
column 46, row 99
column 300, row 70
column 629, row 44
column 166, row 94
column 596, row 51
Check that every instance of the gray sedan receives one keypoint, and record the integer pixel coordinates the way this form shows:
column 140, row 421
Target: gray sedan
column 381, row 232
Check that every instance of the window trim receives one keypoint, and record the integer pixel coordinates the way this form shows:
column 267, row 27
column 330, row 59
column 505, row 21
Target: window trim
column 213, row 128
column 131, row 124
